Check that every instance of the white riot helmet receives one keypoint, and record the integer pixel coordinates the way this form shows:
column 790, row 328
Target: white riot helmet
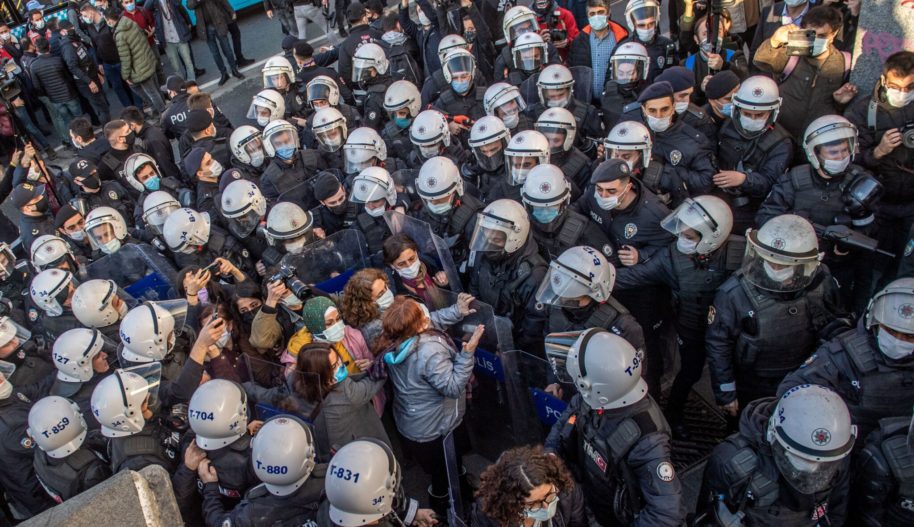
column 438, row 178
column 487, row 132
column 709, row 216
column 373, row 184
column 50, row 289
column 329, row 128
column 290, row 225
column 630, row 135
column 266, row 107
column 49, row 251
column 148, row 331
column 284, row 443
column 525, row 150
column 369, row 498
column 429, row 132
column 186, row 230
column 136, row 162
column 96, row 304
column 157, row 207
column 810, row 433
column 246, row 143
column 517, row 21
column 783, row 255
column 10, row 331
column 244, row 206
column 367, row 57
column 502, row 227
column 504, row 101
column 322, row 88
column 638, row 10
column 629, row 64
column 758, row 94
column 117, row 403
column 218, row 413
column 280, row 134
column 364, row 148
column 824, row 131
column 546, row 194
column 555, row 78
column 529, row 52
column 106, row 229
column 278, row 73
column 604, row 367
column 7, row 262
column 74, row 351
column 57, row 426
column 559, row 127
column 403, row 94
column 456, row 62
column 449, row 43
column 893, row 307
column 576, row 273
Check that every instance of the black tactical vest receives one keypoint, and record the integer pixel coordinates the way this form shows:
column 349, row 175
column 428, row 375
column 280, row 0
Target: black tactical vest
column 555, row 243
column 63, row 480
column 821, row 202
column 698, row 284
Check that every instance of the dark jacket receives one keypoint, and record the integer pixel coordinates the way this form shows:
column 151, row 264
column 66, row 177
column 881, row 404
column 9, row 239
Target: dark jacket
column 103, row 42
column 138, row 60
column 217, row 13
column 358, row 35
column 78, row 60
column 51, row 78
column 176, row 13
column 570, row 512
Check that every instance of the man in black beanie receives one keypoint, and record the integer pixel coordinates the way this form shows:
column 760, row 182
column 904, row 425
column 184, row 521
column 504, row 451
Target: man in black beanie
column 335, row 211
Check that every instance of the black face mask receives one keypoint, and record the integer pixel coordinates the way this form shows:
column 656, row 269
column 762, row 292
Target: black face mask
column 248, row 318
column 470, row 37
column 340, row 209
column 42, row 206
column 130, row 138
column 92, row 182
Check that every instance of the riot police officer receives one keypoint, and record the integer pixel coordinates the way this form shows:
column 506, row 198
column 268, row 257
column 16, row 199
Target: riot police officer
column 402, row 102
column 365, row 148
column 290, row 168
column 289, row 496
column 504, row 101
column 466, row 87
column 82, row 357
column 335, row 211
column 323, row 92
column 524, row 151
column 248, row 154
column 157, row 207
column 202, row 132
column 629, row 68
column 154, row 332
column 370, row 76
column 107, row 230
column 430, row 136
column 488, row 140
column 820, row 191
column 375, row 190
column 546, row 194
column 193, row 240
column 508, row 267
column 52, row 292
column 630, row 141
column 693, row 267
column 555, row 89
column 67, row 462
column 101, row 304
column 765, row 318
column 613, row 435
column 643, row 20
column 560, row 128
column 882, row 493
column 27, row 353
column 521, row 57
column 93, row 192
column 205, row 170
column 244, row 207
column 436, row 83
column 788, row 465
column 753, row 150
column 289, row 227
column 53, row 251
column 328, row 126
column 683, row 82
column 869, row 365
column 278, row 75
column 142, row 173
column 266, row 106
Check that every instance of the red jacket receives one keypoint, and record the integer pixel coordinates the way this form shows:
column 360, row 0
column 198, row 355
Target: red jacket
column 565, row 20
column 143, row 18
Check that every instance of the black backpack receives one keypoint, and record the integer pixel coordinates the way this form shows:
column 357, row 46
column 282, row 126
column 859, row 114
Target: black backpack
column 402, row 65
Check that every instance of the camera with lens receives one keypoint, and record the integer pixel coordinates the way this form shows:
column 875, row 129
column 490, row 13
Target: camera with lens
column 10, row 88
column 286, row 274
column 907, row 135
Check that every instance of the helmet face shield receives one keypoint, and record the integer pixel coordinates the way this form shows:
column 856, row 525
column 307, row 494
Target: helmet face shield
column 7, row 261
column 642, row 14
column 356, row 160
column 155, row 217
column 805, row 476
column 528, row 59
column 331, row 139
column 317, row 92
column 525, row 25
column 460, row 63
column 152, row 374
column 519, row 166
column 558, row 348
column 278, row 81
column 245, row 224
column 627, row 71
column 563, row 287
column 769, row 271
column 491, row 156
column 488, row 239
column 556, row 135
column 363, row 71
column 689, row 215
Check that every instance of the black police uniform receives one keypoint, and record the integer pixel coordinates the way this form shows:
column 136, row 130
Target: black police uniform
column 741, row 477
column 609, row 315
column 696, row 117
column 568, row 230
column 586, row 117
column 662, row 52
column 621, row 457
column 111, row 165
column 63, row 478
column 14, row 292
column 576, row 166
column 483, row 180
column 455, row 152
column 375, row 229
column 619, row 99
column 260, row 507
column 456, row 226
column 469, row 104
column 396, row 140
column 16, row 453
column 872, row 385
column 282, row 181
column 220, row 244
column 31, row 227
column 174, row 118
column 763, row 159
column 883, row 487
column 109, row 194
column 33, row 362
column 52, row 327
column 335, row 220
column 217, row 146
column 756, row 337
column 370, row 102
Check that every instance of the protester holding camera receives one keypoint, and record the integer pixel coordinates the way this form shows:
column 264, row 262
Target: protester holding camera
column 279, row 317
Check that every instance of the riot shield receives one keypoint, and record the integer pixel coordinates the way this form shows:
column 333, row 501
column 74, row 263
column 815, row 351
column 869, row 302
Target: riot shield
column 455, row 513
column 328, row 264
column 139, row 270
column 433, row 251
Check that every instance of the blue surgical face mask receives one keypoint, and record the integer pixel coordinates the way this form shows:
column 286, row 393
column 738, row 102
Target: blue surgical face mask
column 130, row 7
column 545, row 214
column 152, row 184
column 727, row 109
column 598, row 22
column 402, row 122
column 285, row 152
column 461, row 87
column 340, row 374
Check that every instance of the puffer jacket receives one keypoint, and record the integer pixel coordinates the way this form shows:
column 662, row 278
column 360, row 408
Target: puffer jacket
column 50, row 77
column 138, row 61
column 430, row 385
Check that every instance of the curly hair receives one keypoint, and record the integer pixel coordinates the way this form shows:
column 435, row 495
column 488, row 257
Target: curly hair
column 402, row 320
column 357, row 306
column 505, row 485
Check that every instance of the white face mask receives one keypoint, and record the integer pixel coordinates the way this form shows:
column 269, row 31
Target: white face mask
column 543, row 514
column 898, row 98
column 686, row 246
column 819, row 46
column 385, row 300
column 6, row 389
column 659, row 124
column 375, row 213
column 257, row 159
column 519, row 175
column 439, row 208
column 893, row 347
column 752, row 125
column 410, row 272
column 216, row 169
column 223, row 340
column 835, row 166
column 778, row 275
column 646, row 35
column 606, row 203
column 511, row 119
column 335, row 333
column 296, row 246
column 291, row 301
column 111, row 247
column 78, row 236
column 681, row 107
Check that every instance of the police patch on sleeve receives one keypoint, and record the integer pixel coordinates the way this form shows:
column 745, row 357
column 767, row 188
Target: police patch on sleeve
column 909, row 248
column 26, row 442
column 675, row 157
column 631, row 230
column 608, row 250
column 372, row 115
column 112, row 194
column 665, row 471
column 33, row 314
column 712, row 314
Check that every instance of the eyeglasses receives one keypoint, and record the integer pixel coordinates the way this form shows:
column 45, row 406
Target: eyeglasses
column 544, row 503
